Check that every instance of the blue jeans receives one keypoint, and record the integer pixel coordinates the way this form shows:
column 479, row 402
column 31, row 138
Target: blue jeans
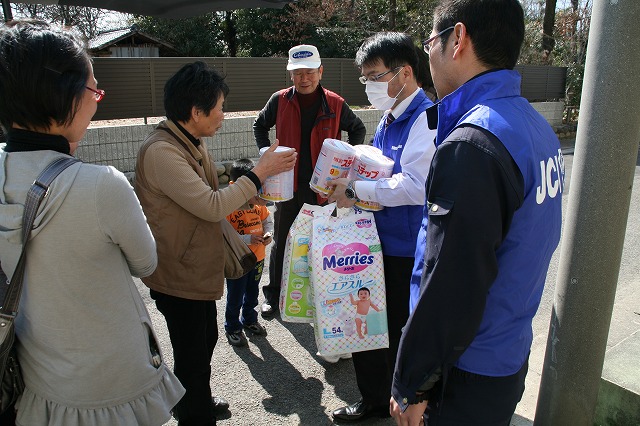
column 242, row 294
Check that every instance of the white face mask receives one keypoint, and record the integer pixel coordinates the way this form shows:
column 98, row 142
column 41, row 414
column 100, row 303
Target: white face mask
column 378, row 93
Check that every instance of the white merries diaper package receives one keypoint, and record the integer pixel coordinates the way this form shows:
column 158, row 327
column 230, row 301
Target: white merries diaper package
column 347, row 276
column 296, row 299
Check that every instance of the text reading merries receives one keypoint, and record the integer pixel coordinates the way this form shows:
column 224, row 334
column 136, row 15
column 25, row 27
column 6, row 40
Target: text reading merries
column 346, row 259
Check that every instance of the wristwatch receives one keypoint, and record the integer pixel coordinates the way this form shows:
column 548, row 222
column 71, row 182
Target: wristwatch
column 350, row 191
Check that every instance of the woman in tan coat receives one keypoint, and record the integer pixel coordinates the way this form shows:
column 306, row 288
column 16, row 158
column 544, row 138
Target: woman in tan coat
column 178, row 189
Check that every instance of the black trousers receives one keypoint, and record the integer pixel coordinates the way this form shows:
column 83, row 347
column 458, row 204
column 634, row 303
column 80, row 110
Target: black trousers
column 472, row 399
column 374, row 369
column 8, row 418
column 193, row 330
column 283, row 218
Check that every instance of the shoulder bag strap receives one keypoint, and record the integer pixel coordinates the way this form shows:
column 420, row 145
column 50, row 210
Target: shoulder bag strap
column 36, row 194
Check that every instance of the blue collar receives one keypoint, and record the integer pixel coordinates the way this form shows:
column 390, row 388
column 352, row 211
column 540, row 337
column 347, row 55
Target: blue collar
column 488, row 85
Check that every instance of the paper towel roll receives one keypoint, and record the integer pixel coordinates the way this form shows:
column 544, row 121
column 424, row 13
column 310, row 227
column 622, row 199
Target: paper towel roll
column 371, row 165
column 279, row 187
column 334, row 161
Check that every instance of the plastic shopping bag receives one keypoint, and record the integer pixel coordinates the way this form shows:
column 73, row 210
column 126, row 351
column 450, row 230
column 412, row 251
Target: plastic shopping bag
column 347, row 276
column 296, row 300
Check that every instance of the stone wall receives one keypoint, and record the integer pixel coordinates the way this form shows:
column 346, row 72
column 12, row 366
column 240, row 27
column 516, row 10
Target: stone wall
column 118, row 145
column 551, row 111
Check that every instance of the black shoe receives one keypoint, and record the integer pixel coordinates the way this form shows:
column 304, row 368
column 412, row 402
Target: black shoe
column 360, row 411
column 268, row 309
column 220, row 405
column 236, row 338
column 256, row 329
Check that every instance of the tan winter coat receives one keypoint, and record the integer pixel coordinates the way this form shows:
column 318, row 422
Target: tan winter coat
column 177, row 186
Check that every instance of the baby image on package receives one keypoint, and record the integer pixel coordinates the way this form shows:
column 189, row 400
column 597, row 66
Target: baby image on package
column 296, row 300
column 347, row 276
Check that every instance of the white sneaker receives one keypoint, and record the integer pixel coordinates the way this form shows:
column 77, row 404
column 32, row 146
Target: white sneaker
column 334, row 358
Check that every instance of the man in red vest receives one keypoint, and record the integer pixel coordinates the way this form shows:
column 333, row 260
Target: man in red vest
column 304, row 116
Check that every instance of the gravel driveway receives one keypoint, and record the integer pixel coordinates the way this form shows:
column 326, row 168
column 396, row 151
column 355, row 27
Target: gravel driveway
column 277, row 379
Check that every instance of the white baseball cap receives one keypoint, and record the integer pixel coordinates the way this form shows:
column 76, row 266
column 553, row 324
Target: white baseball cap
column 303, row 56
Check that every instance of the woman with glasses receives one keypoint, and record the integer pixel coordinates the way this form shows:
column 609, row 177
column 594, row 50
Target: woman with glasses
column 85, row 341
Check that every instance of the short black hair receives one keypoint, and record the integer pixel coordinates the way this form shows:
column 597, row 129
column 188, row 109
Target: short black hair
column 43, row 74
column 422, row 70
column 495, row 27
column 194, row 85
column 394, row 50
column 364, row 289
column 240, row 168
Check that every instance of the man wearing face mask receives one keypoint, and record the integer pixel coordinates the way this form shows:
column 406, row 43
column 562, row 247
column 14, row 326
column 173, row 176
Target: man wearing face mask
column 304, row 116
column 391, row 67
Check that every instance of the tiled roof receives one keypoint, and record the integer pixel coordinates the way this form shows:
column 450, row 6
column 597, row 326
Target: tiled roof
column 108, row 38
column 102, row 40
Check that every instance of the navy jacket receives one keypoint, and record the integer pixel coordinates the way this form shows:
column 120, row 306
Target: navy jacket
column 493, row 220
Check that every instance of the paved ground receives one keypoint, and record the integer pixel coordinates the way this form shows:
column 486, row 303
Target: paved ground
column 278, row 380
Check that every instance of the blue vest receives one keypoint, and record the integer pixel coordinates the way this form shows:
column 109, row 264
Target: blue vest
column 398, row 226
column 492, row 101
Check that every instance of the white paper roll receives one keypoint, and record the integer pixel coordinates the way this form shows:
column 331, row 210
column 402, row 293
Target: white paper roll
column 334, row 161
column 279, row 187
column 371, row 165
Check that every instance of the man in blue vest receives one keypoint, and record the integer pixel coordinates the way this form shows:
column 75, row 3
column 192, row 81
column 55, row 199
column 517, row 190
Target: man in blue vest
column 391, row 68
column 493, row 218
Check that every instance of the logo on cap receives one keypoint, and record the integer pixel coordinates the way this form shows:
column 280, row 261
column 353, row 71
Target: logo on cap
column 301, row 55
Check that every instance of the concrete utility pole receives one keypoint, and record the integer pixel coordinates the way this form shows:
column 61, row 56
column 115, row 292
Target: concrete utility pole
column 602, row 178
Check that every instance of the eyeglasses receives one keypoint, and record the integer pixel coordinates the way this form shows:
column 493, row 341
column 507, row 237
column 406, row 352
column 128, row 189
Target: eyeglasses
column 363, row 79
column 98, row 94
column 426, row 45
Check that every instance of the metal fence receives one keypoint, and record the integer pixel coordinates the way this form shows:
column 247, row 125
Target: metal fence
column 135, row 86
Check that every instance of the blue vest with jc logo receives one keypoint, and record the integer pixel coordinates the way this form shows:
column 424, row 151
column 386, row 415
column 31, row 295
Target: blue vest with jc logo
column 492, row 101
column 398, row 226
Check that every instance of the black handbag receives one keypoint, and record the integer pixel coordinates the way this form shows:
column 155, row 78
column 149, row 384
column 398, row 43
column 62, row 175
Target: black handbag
column 11, row 382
